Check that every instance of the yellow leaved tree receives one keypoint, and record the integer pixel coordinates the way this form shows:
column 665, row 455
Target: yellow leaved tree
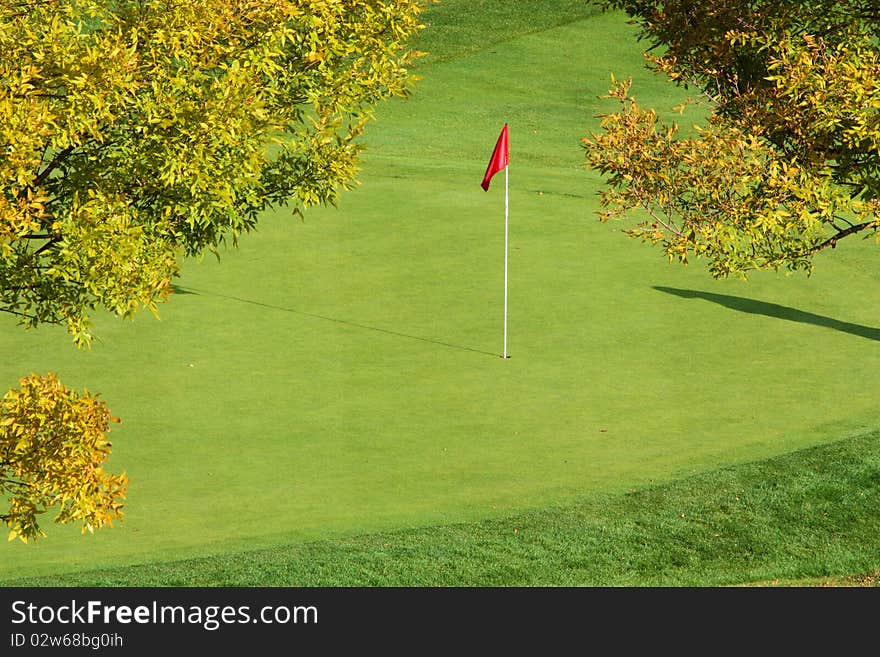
column 136, row 132
column 787, row 162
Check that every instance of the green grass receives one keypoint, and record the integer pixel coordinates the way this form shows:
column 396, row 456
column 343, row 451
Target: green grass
column 455, row 30
column 340, row 377
column 800, row 518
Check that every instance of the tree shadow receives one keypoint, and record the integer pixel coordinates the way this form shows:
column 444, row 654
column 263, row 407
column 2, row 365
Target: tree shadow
column 184, row 290
column 755, row 307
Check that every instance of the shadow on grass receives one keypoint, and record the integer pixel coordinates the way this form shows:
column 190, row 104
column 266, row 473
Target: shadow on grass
column 755, row 307
column 184, row 290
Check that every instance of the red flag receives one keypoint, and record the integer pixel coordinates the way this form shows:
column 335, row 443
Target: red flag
column 499, row 159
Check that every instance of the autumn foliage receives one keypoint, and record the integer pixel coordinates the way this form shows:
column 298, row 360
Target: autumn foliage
column 787, row 160
column 53, row 445
column 135, row 133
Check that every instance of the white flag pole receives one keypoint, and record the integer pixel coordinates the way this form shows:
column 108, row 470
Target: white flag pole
column 506, row 204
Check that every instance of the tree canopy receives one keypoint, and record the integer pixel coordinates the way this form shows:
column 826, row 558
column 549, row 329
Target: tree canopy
column 787, row 162
column 53, row 443
column 137, row 131
column 134, row 133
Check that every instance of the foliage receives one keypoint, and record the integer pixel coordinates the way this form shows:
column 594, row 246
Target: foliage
column 53, row 444
column 788, row 162
column 137, row 131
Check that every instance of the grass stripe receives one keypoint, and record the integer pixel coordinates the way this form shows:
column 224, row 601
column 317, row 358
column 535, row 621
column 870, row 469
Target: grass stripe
column 808, row 516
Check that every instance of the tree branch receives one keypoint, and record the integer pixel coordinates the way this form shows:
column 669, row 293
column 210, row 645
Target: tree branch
column 15, row 312
column 14, row 482
column 60, row 156
column 832, row 241
column 54, row 239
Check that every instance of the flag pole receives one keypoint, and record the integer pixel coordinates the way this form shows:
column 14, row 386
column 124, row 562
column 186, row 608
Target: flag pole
column 506, row 206
column 500, row 160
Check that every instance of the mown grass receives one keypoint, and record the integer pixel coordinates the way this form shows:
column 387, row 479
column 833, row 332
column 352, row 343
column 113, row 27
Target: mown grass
column 804, row 519
column 455, row 29
column 326, row 405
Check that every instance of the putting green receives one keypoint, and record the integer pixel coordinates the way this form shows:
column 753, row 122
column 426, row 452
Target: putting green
column 342, row 375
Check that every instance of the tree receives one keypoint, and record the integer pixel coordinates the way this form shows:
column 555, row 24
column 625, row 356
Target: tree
column 787, row 162
column 52, row 445
column 135, row 133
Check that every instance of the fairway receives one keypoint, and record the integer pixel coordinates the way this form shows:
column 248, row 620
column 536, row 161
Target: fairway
column 341, row 375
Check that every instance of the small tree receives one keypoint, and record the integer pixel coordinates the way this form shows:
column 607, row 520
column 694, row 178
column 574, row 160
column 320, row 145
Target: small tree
column 137, row 132
column 52, row 445
column 788, row 160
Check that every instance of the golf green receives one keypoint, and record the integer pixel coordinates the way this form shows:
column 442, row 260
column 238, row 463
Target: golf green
column 341, row 375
